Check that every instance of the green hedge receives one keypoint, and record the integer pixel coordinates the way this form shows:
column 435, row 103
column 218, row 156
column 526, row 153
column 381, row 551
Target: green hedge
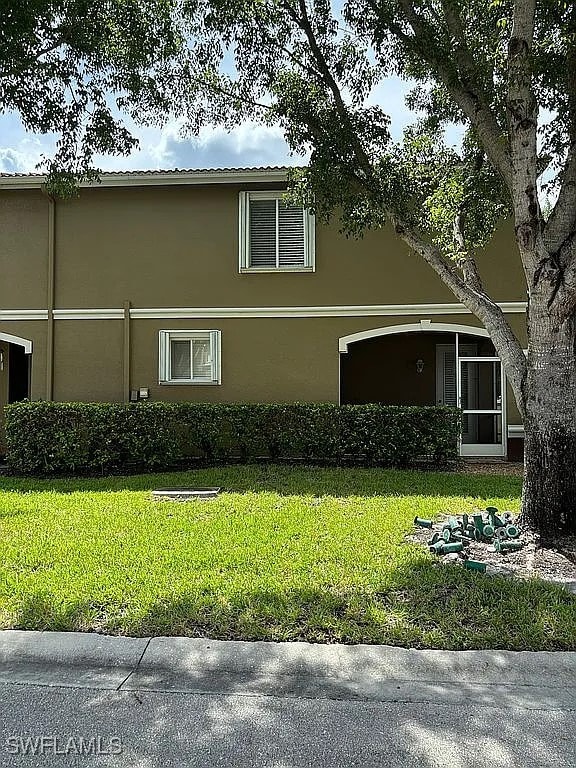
column 64, row 438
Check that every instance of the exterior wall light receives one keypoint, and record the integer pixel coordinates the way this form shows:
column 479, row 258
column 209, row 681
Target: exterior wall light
column 419, row 365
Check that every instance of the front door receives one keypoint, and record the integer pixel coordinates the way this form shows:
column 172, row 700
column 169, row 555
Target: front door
column 481, row 398
column 474, row 384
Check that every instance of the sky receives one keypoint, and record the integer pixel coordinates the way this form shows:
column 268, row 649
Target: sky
column 164, row 147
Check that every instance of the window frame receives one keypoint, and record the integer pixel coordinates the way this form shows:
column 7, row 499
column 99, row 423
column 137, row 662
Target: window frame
column 165, row 358
column 244, row 235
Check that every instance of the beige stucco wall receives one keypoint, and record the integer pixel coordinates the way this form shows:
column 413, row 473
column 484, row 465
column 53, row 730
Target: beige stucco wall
column 271, row 359
column 178, row 247
column 23, row 249
column 88, row 360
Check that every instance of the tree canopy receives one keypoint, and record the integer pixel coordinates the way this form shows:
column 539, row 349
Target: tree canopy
column 494, row 68
column 72, row 67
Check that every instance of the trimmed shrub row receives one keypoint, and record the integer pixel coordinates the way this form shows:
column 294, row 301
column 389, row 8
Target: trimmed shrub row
column 76, row 438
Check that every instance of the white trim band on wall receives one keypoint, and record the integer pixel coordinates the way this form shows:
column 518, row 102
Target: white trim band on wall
column 200, row 313
column 89, row 314
column 363, row 310
column 23, row 314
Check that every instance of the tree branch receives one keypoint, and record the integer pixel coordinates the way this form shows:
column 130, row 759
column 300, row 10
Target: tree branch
column 468, row 288
column 461, row 87
column 562, row 220
column 478, row 302
column 26, row 64
column 303, row 22
column 521, row 107
column 466, row 263
column 212, row 86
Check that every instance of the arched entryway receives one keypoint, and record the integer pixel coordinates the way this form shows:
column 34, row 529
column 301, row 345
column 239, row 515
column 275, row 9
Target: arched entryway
column 15, row 369
column 430, row 363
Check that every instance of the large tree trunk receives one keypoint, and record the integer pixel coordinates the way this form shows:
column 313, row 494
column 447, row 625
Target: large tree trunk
column 549, row 494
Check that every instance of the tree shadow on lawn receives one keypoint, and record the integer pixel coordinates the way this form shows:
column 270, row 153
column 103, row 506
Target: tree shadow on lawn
column 289, row 480
column 421, row 605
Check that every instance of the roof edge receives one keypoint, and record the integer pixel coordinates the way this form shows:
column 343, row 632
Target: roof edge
column 159, row 178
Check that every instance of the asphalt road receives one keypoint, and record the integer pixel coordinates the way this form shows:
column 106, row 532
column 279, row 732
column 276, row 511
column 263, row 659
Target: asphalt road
column 164, row 729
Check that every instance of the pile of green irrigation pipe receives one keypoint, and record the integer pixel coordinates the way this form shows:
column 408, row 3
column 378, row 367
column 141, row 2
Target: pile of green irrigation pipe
column 457, row 533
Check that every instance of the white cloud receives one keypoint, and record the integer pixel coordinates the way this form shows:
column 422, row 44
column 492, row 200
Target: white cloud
column 164, row 148
column 160, row 148
column 24, row 153
column 247, row 145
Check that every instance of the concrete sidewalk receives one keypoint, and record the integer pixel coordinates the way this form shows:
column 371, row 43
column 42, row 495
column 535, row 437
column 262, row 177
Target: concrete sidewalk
column 299, row 670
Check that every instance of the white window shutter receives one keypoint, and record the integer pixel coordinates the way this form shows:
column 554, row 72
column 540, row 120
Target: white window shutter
column 215, row 345
column 291, row 236
column 449, row 383
column 163, row 373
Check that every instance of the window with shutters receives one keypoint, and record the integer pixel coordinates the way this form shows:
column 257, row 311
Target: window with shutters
column 190, row 357
column 275, row 236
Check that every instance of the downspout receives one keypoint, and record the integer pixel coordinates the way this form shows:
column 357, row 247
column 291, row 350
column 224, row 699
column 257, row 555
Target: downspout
column 126, row 353
column 50, row 299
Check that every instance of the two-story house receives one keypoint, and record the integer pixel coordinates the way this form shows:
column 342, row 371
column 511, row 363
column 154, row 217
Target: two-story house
column 206, row 286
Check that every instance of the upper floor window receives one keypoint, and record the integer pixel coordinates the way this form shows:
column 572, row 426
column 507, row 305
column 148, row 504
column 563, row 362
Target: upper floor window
column 274, row 235
column 190, row 357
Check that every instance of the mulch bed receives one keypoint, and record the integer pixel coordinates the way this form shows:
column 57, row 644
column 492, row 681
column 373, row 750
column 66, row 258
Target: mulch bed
column 513, row 468
column 556, row 562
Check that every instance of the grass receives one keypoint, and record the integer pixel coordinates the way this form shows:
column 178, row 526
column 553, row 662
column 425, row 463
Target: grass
column 283, row 554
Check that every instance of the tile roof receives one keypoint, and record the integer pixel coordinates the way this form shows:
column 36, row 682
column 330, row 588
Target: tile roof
column 172, row 171
column 158, row 177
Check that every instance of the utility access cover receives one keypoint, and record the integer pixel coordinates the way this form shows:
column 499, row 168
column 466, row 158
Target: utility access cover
column 185, row 494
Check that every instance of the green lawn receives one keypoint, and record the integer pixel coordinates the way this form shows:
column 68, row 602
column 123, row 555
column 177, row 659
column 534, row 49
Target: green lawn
column 283, row 554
